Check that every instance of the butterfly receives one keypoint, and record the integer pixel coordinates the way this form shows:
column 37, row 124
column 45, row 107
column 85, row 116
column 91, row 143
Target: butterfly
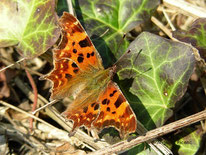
column 78, row 72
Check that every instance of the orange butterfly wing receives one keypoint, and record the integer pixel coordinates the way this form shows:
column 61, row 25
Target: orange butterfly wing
column 77, row 45
column 115, row 111
column 83, row 116
column 75, row 62
column 76, row 54
column 110, row 109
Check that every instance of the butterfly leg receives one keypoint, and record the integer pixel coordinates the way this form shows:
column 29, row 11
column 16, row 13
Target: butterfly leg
column 72, row 132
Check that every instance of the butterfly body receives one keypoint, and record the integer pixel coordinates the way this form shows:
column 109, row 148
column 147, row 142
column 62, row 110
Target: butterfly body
column 78, row 72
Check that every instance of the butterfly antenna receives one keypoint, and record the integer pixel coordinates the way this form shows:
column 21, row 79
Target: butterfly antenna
column 119, row 48
column 104, row 33
column 139, row 73
column 133, row 66
column 122, row 57
column 124, row 35
column 134, row 61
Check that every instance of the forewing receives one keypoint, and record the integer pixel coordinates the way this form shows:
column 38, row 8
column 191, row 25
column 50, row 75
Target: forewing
column 63, row 78
column 77, row 45
column 75, row 55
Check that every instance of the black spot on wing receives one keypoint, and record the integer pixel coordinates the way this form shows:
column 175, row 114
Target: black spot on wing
column 119, row 101
column 68, row 76
column 80, row 59
column 105, row 101
column 92, row 104
column 108, row 109
column 75, row 70
column 92, row 54
column 74, row 65
column 84, row 43
column 88, row 55
column 73, row 43
column 81, row 55
column 85, row 109
column 112, row 94
column 74, row 51
column 96, row 107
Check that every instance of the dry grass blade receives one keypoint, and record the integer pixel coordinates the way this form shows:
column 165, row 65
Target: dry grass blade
column 24, row 112
column 12, row 64
column 163, row 28
column 186, row 8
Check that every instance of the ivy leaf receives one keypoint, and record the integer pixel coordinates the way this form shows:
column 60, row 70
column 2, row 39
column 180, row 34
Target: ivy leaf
column 106, row 21
column 158, row 75
column 31, row 26
column 141, row 149
column 195, row 35
column 62, row 6
column 187, row 142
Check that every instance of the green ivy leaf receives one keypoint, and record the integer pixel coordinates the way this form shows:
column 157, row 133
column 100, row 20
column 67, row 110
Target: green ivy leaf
column 31, row 26
column 158, row 75
column 106, row 21
column 196, row 35
column 187, row 142
column 62, row 6
column 141, row 149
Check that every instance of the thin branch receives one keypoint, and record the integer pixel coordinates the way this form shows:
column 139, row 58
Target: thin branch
column 24, row 112
column 163, row 28
column 31, row 80
column 44, row 106
column 12, row 64
column 21, row 66
column 70, row 7
column 118, row 147
column 168, row 19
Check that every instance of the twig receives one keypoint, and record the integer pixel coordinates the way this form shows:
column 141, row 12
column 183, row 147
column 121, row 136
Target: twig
column 10, row 131
column 24, row 112
column 70, row 7
column 186, row 8
column 163, row 28
column 118, row 147
column 12, row 64
column 31, row 71
column 31, row 80
column 168, row 19
column 24, row 67
column 105, row 32
column 44, row 106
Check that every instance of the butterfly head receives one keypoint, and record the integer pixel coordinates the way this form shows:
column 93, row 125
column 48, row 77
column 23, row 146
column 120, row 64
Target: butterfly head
column 113, row 70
